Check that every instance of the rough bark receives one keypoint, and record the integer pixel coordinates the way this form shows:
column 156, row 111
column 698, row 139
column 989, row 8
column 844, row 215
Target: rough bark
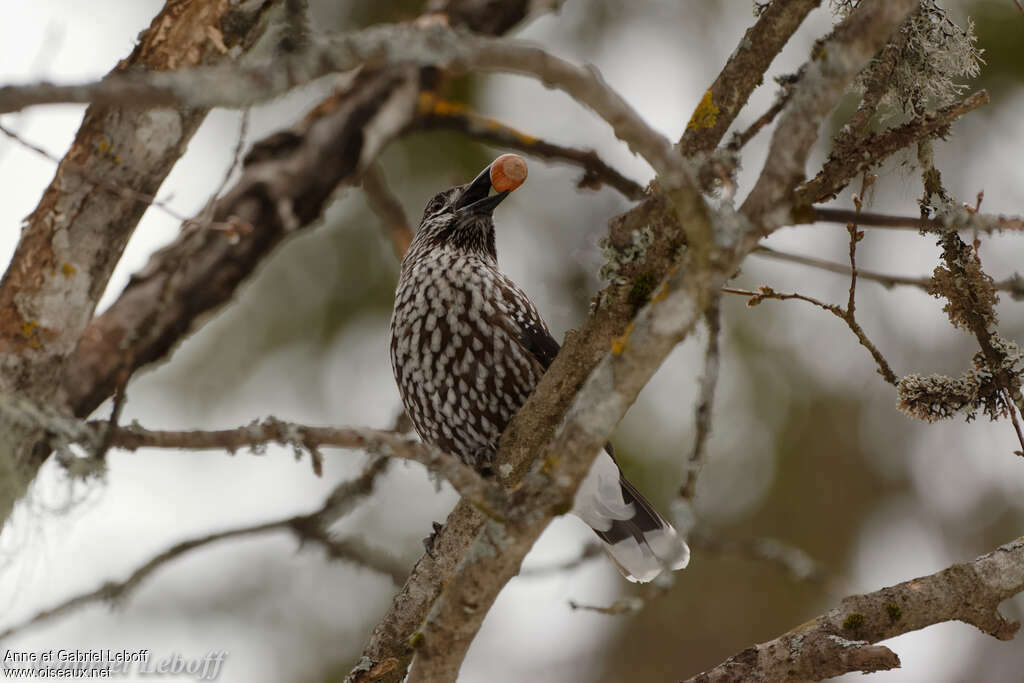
column 74, row 238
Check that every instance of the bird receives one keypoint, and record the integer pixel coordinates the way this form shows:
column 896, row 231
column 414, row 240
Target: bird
column 468, row 347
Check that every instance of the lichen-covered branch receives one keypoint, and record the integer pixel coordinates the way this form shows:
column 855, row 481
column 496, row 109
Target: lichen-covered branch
column 849, row 159
column 1013, row 285
column 842, row 640
column 744, row 71
column 834, row 65
column 71, row 242
column 618, row 376
column 285, row 183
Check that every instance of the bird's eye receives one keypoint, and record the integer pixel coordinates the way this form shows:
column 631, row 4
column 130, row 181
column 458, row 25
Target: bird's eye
column 435, row 205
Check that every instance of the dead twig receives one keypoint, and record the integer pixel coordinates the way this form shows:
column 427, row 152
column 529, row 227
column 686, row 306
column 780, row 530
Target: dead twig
column 310, row 528
column 437, row 113
column 385, row 203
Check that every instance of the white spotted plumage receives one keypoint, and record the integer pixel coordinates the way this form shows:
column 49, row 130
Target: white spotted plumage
column 468, row 347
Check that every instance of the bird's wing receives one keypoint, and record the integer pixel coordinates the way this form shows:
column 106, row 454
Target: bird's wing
column 528, row 328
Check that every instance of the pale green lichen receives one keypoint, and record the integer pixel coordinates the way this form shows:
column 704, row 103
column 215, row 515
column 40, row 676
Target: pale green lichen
column 616, row 258
column 937, row 54
column 938, row 397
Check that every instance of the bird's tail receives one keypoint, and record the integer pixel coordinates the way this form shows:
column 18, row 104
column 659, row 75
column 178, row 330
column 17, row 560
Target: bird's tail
column 639, row 540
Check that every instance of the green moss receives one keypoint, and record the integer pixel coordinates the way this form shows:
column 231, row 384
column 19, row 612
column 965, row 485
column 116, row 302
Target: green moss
column 854, row 621
column 562, row 508
column 894, row 611
column 640, row 292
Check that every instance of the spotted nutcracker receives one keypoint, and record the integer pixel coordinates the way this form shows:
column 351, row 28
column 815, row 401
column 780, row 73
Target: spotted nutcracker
column 468, row 347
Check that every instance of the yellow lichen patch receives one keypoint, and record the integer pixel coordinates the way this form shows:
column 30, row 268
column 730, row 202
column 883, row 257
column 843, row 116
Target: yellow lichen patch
column 68, row 270
column 705, row 115
column 619, row 344
column 661, row 293
column 429, row 103
column 28, row 330
column 523, row 138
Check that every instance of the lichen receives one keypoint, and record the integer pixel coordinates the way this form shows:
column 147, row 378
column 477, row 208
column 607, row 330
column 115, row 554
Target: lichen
column 620, row 343
column 937, row 397
column 894, row 611
column 616, row 258
column 936, row 55
column 969, row 291
column 854, row 621
column 705, row 115
column 640, row 292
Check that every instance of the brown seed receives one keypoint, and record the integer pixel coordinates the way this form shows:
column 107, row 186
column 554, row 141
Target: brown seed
column 508, row 172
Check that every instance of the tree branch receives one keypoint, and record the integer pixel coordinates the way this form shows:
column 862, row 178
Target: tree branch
column 847, row 160
column 841, row 640
column 825, row 78
column 488, row 496
column 744, row 71
column 956, row 220
column 388, row 208
column 71, row 242
column 308, row 528
column 611, row 387
column 436, row 113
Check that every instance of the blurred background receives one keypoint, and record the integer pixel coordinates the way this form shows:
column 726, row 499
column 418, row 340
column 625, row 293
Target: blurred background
column 808, row 447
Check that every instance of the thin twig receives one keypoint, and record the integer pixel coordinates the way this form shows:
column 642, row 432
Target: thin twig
column 741, row 138
column 621, row 607
column 306, row 528
column 486, row 494
column 797, row 563
column 705, row 401
column 388, row 207
column 764, row 293
column 438, row 113
column 98, row 181
column 206, row 218
column 1014, row 285
column 985, row 223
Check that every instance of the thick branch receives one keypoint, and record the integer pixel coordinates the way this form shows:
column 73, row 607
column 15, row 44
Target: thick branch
column 826, row 77
column 287, row 180
column 847, row 161
column 71, row 242
column 841, row 640
column 618, row 377
column 744, row 72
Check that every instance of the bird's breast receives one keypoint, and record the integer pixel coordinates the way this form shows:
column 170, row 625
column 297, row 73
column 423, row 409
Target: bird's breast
column 460, row 370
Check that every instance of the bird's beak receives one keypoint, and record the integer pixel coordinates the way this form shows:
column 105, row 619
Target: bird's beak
column 475, row 197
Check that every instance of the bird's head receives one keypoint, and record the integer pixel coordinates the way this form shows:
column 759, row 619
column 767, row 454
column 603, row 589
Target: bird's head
column 461, row 217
